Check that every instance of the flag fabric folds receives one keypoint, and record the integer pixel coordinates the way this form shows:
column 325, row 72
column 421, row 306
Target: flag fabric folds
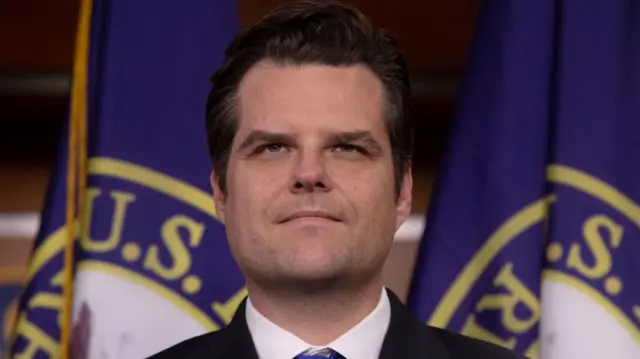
column 533, row 234
column 151, row 265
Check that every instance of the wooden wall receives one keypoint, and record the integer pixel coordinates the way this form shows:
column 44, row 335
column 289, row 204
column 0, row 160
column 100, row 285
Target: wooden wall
column 36, row 50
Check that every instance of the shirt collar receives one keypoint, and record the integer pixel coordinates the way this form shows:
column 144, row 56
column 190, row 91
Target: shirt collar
column 270, row 340
column 363, row 341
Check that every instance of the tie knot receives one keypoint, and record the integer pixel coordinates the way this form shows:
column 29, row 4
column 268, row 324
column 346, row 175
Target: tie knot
column 319, row 353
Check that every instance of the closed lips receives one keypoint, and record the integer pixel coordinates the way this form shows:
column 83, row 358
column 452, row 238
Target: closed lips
column 310, row 214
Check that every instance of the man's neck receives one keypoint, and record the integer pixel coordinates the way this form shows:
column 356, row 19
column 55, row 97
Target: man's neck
column 317, row 317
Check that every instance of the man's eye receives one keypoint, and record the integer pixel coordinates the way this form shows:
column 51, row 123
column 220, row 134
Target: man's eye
column 348, row 148
column 271, row 147
column 274, row 147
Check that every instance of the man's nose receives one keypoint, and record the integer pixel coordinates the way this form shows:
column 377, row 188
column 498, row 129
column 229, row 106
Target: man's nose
column 310, row 173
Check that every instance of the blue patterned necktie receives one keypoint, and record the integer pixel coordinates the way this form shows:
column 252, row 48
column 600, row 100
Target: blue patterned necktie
column 324, row 353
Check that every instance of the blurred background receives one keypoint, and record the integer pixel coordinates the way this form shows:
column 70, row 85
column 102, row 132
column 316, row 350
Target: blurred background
column 36, row 59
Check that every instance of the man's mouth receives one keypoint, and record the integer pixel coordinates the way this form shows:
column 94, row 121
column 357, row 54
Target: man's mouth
column 310, row 215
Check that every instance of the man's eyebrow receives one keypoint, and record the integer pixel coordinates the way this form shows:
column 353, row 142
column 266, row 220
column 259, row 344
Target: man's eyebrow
column 359, row 136
column 257, row 136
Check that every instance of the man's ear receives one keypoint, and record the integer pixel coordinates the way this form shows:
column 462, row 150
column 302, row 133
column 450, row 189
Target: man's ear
column 405, row 198
column 218, row 196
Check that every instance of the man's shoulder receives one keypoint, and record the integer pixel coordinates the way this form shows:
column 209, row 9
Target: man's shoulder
column 188, row 347
column 463, row 347
column 410, row 335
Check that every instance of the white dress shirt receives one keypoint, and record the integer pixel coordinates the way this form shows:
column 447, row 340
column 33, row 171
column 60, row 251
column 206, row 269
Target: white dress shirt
column 363, row 341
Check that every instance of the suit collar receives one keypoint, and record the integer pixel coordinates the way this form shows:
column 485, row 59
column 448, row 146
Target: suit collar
column 409, row 338
column 235, row 340
column 406, row 337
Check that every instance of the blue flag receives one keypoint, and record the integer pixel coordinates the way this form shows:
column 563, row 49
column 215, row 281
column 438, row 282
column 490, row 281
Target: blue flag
column 533, row 236
column 151, row 263
column 9, row 289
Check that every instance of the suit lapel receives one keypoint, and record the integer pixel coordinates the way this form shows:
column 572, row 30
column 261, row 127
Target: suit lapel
column 408, row 338
column 233, row 341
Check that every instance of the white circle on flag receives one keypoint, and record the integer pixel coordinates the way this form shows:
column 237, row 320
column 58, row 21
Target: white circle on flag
column 575, row 325
column 127, row 320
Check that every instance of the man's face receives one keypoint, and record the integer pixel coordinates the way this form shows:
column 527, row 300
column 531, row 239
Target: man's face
column 310, row 180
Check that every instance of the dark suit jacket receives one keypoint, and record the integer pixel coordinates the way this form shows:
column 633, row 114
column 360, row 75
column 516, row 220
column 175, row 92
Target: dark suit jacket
column 406, row 338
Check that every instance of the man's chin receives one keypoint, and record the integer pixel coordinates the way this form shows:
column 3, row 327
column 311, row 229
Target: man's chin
column 309, row 279
column 307, row 273
column 310, row 282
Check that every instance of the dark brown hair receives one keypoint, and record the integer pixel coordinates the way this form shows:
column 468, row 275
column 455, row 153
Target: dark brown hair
column 311, row 32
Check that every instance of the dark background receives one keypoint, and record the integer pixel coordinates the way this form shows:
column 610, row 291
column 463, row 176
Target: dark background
column 36, row 57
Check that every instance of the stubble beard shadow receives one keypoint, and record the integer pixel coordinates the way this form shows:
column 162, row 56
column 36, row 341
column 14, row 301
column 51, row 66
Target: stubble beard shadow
column 290, row 285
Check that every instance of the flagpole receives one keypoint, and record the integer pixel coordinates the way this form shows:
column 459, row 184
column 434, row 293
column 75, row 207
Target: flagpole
column 77, row 162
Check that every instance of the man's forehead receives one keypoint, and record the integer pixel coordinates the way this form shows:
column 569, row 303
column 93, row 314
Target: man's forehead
column 316, row 130
column 270, row 78
column 290, row 94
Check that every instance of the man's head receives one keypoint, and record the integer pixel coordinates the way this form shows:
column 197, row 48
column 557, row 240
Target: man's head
column 311, row 139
